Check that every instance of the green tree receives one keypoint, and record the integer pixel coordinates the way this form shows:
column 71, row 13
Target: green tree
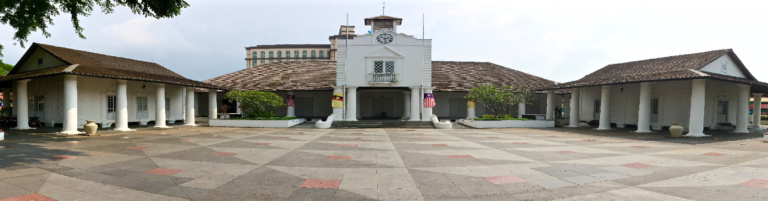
column 5, row 68
column 256, row 103
column 499, row 99
column 27, row 16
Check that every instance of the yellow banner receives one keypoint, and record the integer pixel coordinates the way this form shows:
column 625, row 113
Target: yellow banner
column 470, row 104
column 338, row 100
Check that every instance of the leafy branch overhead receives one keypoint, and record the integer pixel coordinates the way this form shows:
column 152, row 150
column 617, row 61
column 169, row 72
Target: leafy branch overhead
column 27, row 16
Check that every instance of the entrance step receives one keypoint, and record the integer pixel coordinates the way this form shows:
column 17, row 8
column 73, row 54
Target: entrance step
column 381, row 124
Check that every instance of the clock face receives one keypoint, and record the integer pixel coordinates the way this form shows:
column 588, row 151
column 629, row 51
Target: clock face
column 384, row 38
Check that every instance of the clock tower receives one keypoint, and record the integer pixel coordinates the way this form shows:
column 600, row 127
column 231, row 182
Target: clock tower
column 383, row 22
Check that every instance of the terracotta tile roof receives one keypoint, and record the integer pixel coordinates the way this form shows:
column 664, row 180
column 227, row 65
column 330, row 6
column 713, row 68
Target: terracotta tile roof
column 660, row 69
column 100, row 65
column 294, row 75
column 321, row 75
column 278, row 46
column 463, row 76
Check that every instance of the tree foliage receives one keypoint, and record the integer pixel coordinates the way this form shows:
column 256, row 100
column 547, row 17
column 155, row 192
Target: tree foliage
column 27, row 16
column 499, row 99
column 5, row 68
column 256, row 103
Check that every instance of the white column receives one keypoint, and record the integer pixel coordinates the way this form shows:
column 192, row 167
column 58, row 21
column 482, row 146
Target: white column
column 426, row 115
column 574, row 108
column 550, row 105
column 338, row 112
column 406, row 104
column 520, row 110
column 22, row 110
column 190, row 112
column 7, row 102
column 212, row 105
column 351, row 103
column 756, row 109
column 291, row 110
column 644, row 110
column 160, row 107
column 696, row 121
column 177, row 104
column 415, row 107
column 70, row 106
column 605, row 109
column 121, row 118
column 742, row 115
column 471, row 111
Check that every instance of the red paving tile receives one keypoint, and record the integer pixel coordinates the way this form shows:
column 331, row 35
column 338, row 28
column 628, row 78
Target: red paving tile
column 639, row 147
column 35, row 197
column 62, row 157
column 713, row 154
column 460, row 156
column 163, row 171
column 760, row 183
column 225, row 154
column 261, row 143
column 498, row 180
column 137, row 148
column 338, row 157
column 564, row 152
column 637, row 165
column 439, row 145
column 316, row 183
column 348, row 145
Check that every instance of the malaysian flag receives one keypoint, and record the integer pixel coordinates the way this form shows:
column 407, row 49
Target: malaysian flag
column 429, row 100
column 290, row 102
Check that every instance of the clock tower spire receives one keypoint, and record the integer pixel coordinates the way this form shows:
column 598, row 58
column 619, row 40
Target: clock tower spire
column 383, row 22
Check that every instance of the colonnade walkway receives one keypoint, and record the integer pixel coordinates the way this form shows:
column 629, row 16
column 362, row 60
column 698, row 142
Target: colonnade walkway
column 216, row 163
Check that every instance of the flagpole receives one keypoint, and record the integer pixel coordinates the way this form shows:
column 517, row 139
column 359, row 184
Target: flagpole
column 346, row 52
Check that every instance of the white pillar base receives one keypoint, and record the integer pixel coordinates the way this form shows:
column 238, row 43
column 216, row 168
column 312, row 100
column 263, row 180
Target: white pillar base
column 22, row 128
column 603, row 129
column 696, row 135
column 124, row 129
column 71, row 132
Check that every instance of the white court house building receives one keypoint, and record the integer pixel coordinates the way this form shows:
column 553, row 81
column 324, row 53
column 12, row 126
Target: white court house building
column 383, row 74
column 701, row 91
column 65, row 87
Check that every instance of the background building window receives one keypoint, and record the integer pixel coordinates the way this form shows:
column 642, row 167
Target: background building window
column 262, row 54
column 304, row 54
column 287, row 54
column 40, row 103
column 271, row 54
column 321, row 54
column 295, row 54
column 279, row 54
column 313, row 54
column 253, row 54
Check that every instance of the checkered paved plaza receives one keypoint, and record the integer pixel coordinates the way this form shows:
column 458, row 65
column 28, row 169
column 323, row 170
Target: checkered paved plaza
column 209, row 163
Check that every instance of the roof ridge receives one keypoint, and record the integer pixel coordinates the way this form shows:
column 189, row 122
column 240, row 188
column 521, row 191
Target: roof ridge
column 666, row 57
column 43, row 46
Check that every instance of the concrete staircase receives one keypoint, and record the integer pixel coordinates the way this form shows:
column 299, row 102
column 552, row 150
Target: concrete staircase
column 381, row 124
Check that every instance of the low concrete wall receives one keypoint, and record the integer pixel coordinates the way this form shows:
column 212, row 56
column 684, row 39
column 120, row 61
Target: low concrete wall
column 255, row 123
column 509, row 123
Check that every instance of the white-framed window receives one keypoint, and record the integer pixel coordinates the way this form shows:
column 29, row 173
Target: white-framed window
column 141, row 107
column 596, row 108
column 383, row 66
column 722, row 111
column 111, row 104
column 655, row 106
column 40, row 103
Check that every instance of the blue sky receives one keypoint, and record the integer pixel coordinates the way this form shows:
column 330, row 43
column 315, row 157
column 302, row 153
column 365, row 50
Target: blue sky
column 557, row 40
